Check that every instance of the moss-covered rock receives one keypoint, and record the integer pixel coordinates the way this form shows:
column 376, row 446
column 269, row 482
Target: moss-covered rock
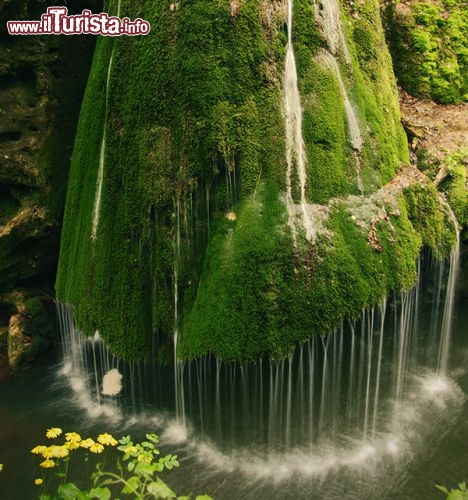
column 429, row 43
column 258, row 294
column 188, row 229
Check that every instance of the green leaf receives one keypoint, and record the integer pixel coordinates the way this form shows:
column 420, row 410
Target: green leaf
column 132, row 485
column 145, row 469
column 170, row 461
column 125, row 440
column 131, row 466
column 152, row 437
column 159, row 489
column 462, row 486
column 159, row 466
column 203, row 497
column 443, row 489
column 457, row 495
column 70, row 491
column 100, row 493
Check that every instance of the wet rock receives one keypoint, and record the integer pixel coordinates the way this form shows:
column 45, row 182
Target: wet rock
column 31, row 331
column 42, row 80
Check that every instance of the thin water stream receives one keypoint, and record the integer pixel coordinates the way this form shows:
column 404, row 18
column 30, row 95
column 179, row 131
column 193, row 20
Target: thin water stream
column 102, row 151
column 295, row 150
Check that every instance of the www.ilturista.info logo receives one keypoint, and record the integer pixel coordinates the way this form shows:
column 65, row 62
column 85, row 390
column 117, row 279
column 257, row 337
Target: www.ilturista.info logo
column 57, row 21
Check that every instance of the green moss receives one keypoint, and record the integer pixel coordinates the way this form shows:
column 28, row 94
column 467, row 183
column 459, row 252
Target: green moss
column 429, row 219
column 429, row 43
column 332, row 165
column 193, row 122
column 455, row 185
column 192, row 229
column 257, row 296
column 374, row 91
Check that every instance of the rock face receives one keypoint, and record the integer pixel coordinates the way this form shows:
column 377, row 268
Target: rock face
column 42, row 82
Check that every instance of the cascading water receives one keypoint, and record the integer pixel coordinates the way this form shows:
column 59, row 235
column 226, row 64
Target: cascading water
column 327, row 14
column 354, row 130
column 447, row 318
column 295, row 151
column 328, row 17
column 360, row 398
column 178, row 365
column 363, row 397
column 102, row 153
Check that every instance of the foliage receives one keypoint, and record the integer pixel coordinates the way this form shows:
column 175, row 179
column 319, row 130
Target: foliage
column 192, row 230
column 428, row 219
column 455, row 185
column 136, row 473
column 368, row 79
column 430, row 48
column 460, row 493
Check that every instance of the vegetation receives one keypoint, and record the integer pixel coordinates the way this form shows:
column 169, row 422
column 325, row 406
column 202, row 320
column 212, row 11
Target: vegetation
column 258, row 294
column 192, row 229
column 136, row 472
column 176, row 158
column 460, row 493
column 371, row 87
column 429, row 42
column 454, row 183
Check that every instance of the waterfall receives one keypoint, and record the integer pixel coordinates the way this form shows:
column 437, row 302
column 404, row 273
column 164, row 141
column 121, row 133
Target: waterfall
column 348, row 393
column 102, row 152
column 178, row 365
column 354, row 129
column 327, row 14
column 295, row 151
column 447, row 318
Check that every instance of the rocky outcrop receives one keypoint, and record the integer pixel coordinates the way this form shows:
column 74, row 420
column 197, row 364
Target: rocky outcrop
column 42, row 80
column 31, row 330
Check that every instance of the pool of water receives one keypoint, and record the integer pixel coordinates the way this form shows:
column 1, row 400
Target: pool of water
column 411, row 447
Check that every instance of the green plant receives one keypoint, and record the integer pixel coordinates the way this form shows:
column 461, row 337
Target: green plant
column 461, row 493
column 135, row 472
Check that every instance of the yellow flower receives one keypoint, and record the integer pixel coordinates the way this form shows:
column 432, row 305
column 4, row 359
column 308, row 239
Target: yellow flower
column 47, row 464
column 48, row 452
column 38, row 481
column 72, row 437
column 87, row 443
column 1, row 467
column 131, row 450
column 53, row 432
column 106, row 439
column 143, row 458
column 56, row 451
column 72, row 445
column 61, row 451
column 96, row 448
column 39, row 449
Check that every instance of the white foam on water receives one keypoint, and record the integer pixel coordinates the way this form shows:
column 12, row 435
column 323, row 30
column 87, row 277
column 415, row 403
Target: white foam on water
column 175, row 433
column 432, row 396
